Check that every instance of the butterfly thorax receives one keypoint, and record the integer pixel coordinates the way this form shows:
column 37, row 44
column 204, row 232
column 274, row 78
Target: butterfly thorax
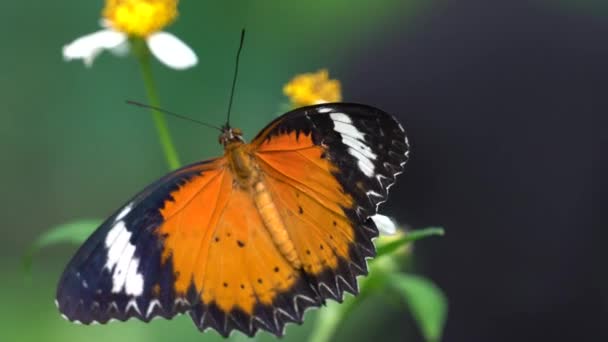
column 241, row 164
column 249, row 178
column 235, row 152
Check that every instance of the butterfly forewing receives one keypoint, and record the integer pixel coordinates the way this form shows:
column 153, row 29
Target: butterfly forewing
column 119, row 272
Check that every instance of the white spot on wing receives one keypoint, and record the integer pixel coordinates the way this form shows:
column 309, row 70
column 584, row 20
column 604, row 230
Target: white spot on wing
column 324, row 110
column 359, row 146
column 340, row 117
column 348, row 129
column 116, row 241
column 355, row 140
column 135, row 281
column 119, row 277
column 121, row 261
column 124, row 212
column 132, row 304
column 365, row 165
column 151, row 306
column 373, row 193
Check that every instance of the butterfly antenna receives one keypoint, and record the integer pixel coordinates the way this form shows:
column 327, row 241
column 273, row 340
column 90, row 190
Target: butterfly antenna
column 236, row 72
column 143, row 105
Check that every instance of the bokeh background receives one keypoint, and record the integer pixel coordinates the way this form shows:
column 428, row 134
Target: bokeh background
column 503, row 101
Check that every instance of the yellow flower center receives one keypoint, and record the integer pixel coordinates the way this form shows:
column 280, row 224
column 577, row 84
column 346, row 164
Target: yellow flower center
column 140, row 17
column 313, row 88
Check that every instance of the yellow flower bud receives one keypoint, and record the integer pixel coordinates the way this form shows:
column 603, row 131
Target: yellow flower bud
column 313, row 88
column 140, row 17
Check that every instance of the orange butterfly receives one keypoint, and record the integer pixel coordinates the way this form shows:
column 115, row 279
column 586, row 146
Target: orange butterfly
column 249, row 240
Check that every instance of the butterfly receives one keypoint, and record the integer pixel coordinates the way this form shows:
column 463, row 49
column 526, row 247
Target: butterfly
column 250, row 240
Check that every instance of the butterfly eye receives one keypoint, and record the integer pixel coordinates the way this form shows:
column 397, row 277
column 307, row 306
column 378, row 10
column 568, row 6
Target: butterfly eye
column 237, row 131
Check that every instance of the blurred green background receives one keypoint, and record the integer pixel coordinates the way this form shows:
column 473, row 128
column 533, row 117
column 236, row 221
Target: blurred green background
column 70, row 148
column 482, row 88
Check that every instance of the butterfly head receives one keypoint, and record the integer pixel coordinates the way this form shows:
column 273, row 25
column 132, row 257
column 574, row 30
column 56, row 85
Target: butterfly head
column 231, row 135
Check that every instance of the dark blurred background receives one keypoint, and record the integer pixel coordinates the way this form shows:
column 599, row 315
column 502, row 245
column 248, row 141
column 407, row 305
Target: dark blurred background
column 498, row 99
column 503, row 102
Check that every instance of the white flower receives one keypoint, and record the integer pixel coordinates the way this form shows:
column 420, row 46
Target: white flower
column 134, row 18
column 385, row 225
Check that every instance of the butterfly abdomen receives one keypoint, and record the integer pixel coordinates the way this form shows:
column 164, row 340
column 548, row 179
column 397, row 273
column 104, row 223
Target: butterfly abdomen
column 273, row 222
column 249, row 178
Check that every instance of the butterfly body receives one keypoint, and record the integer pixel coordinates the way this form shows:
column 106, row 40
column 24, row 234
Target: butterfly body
column 250, row 240
column 248, row 177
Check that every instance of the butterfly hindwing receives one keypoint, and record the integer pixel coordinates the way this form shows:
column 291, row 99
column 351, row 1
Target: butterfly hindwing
column 246, row 283
column 329, row 166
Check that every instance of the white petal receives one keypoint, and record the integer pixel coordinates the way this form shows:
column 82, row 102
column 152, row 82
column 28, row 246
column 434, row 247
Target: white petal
column 384, row 224
column 121, row 50
column 171, row 51
column 89, row 46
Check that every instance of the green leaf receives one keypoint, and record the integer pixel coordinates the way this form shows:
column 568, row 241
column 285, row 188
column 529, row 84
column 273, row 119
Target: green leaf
column 330, row 318
column 72, row 232
column 411, row 236
column 426, row 302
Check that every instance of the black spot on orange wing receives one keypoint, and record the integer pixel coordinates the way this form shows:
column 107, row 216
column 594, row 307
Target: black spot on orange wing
column 248, row 286
column 304, row 146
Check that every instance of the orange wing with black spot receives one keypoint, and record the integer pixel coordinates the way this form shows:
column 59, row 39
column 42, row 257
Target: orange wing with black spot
column 329, row 167
column 196, row 242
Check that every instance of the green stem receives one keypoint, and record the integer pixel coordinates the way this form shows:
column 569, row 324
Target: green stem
column 409, row 237
column 143, row 56
column 331, row 317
